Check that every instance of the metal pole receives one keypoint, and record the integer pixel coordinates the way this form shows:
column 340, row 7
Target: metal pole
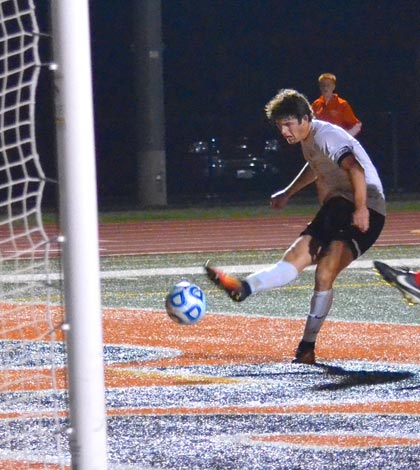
column 151, row 158
column 78, row 212
column 417, row 102
column 395, row 154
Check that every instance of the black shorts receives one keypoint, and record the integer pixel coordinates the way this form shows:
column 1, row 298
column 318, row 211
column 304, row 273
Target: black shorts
column 334, row 222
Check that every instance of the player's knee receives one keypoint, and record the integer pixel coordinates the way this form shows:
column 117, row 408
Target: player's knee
column 324, row 279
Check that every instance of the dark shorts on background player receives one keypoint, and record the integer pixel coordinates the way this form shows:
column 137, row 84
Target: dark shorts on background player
column 334, row 222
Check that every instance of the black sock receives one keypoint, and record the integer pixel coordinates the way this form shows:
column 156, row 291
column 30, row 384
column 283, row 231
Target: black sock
column 246, row 289
column 306, row 345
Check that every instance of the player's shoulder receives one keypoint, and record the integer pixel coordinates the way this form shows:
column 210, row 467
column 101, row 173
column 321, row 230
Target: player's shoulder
column 318, row 101
column 320, row 126
column 342, row 101
column 325, row 131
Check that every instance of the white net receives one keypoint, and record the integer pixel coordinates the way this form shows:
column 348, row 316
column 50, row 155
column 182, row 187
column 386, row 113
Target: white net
column 33, row 408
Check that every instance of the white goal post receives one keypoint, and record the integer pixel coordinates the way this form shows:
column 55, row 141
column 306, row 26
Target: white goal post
column 33, row 395
column 52, row 392
column 78, row 210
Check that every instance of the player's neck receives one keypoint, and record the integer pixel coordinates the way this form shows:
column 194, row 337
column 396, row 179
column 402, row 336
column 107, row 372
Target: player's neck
column 307, row 130
column 327, row 97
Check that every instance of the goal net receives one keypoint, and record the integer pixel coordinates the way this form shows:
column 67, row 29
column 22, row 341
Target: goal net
column 33, row 391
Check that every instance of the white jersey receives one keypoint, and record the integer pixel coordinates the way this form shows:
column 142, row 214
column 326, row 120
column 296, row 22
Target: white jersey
column 323, row 148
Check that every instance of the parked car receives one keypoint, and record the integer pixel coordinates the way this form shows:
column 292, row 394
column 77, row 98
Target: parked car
column 224, row 166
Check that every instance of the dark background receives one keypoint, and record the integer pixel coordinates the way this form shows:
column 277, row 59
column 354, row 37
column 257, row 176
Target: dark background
column 223, row 60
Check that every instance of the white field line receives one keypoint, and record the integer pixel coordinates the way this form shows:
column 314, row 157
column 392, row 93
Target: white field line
column 412, row 263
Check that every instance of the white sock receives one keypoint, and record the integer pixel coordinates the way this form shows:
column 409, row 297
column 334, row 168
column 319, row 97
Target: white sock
column 277, row 275
column 320, row 306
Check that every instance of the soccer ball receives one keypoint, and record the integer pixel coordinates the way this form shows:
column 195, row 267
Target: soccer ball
column 186, row 303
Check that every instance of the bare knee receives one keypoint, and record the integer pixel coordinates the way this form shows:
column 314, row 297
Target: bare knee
column 337, row 257
column 324, row 278
column 299, row 254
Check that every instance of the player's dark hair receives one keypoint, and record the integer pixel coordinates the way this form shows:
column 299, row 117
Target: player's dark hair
column 288, row 103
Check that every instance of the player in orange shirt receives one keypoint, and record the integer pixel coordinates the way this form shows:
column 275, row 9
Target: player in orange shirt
column 332, row 108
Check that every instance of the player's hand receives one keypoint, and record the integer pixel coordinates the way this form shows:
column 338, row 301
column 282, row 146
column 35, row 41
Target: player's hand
column 279, row 200
column 361, row 219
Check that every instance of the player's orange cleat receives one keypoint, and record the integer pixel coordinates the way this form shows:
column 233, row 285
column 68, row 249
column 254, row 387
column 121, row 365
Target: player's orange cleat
column 236, row 289
column 305, row 353
column 304, row 357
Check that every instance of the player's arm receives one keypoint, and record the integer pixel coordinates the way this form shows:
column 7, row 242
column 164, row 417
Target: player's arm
column 316, row 108
column 354, row 125
column 355, row 129
column 305, row 177
column 357, row 178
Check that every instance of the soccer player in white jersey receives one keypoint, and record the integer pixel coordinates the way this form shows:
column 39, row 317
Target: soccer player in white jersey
column 349, row 221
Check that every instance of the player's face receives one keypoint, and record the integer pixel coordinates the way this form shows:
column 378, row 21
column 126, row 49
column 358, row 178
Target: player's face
column 327, row 86
column 293, row 130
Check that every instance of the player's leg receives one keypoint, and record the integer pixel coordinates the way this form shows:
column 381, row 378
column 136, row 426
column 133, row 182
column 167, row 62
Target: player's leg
column 300, row 255
column 336, row 257
column 346, row 244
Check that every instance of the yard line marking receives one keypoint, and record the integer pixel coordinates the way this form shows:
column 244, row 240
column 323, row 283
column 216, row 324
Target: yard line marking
column 179, row 271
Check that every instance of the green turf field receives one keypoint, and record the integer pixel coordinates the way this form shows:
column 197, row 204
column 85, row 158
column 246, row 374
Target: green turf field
column 143, row 281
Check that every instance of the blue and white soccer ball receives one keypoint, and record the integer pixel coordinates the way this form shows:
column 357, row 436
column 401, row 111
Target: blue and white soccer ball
column 186, row 303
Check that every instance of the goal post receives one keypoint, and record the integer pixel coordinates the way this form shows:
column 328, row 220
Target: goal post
column 33, row 391
column 79, row 228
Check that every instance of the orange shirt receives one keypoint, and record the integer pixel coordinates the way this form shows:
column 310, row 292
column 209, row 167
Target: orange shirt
column 337, row 111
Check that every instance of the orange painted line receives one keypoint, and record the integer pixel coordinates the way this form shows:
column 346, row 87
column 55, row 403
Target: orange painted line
column 229, row 339
column 115, row 376
column 392, row 407
column 219, row 340
column 333, row 440
column 19, row 465
column 31, row 380
column 30, row 322
column 138, row 377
